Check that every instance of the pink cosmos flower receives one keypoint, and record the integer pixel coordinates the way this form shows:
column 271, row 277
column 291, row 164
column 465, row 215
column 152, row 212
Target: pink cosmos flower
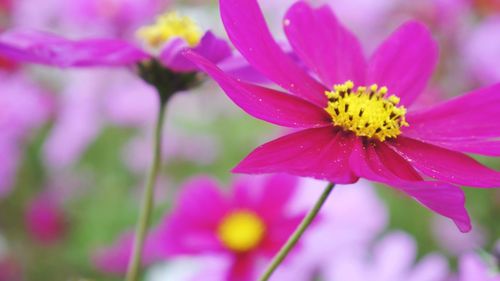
column 249, row 225
column 246, row 226
column 164, row 40
column 44, row 220
column 351, row 111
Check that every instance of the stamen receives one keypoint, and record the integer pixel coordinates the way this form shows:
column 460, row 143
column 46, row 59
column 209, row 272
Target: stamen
column 169, row 26
column 367, row 111
column 241, row 231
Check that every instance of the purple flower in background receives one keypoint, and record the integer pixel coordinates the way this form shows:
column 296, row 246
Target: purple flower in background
column 453, row 242
column 392, row 259
column 349, row 225
column 473, row 267
column 481, row 50
column 109, row 17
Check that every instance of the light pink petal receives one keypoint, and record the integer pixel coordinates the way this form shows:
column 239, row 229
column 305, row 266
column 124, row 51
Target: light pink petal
column 394, row 255
column 212, row 48
column 324, row 45
column 445, row 165
column 246, row 27
column 404, row 63
column 442, row 198
column 432, row 267
column 465, row 123
column 192, row 226
column 319, row 153
column 472, row 267
column 266, row 104
column 49, row 49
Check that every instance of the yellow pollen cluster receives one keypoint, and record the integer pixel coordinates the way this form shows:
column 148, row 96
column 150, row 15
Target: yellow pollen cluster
column 241, row 231
column 368, row 112
column 168, row 26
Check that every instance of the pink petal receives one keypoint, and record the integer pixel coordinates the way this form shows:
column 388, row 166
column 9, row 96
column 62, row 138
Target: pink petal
column 483, row 147
column 442, row 198
column 280, row 231
column 405, row 61
column 248, row 32
column 49, row 49
column 267, row 195
column 326, row 47
column 244, row 268
column 446, row 165
column 210, row 47
column 319, row 153
column 192, row 226
column 464, row 123
column 266, row 104
column 278, row 191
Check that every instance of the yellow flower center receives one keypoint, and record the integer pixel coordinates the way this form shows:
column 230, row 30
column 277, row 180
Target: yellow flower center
column 241, row 231
column 368, row 112
column 168, row 26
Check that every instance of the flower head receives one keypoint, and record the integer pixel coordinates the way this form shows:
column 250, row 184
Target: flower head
column 45, row 220
column 166, row 39
column 249, row 225
column 355, row 115
column 246, row 226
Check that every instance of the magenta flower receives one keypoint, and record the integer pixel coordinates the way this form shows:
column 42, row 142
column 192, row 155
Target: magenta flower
column 164, row 40
column 351, row 113
column 45, row 220
column 248, row 226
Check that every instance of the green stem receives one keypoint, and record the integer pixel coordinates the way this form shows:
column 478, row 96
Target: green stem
column 292, row 241
column 147, row 200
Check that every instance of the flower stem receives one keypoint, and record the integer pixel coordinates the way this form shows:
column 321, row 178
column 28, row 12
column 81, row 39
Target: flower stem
column 147, row 200
column 292, row 241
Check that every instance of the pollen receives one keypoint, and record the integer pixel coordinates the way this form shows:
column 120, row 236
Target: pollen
column 241, row 231
column 169, row 26
column 367, row 111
